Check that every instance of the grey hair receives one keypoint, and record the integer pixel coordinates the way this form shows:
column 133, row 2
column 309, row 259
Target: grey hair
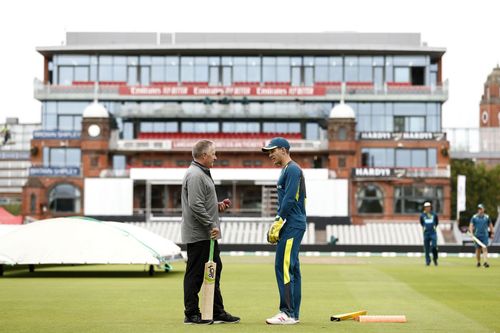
column 201, row 147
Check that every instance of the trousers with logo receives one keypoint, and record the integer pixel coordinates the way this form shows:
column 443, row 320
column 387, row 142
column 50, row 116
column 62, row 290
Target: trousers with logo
column 430, row 244
column 287, row 269
column 198, row 253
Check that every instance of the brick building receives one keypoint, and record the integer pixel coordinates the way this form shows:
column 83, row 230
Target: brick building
column 121, row 112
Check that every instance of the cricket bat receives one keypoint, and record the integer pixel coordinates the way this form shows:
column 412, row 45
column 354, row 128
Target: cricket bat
column 347, row 316
column 476, row 240
column 208, row 287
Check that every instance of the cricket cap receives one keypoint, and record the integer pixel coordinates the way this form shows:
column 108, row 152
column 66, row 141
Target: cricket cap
column 427, row 204
column 480, row 206
column 277, row 142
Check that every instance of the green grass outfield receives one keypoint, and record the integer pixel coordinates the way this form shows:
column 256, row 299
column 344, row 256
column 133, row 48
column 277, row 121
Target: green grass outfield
column 453, row 297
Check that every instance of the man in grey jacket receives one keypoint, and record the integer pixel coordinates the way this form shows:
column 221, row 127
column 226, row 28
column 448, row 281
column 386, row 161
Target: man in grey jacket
column 200, row 223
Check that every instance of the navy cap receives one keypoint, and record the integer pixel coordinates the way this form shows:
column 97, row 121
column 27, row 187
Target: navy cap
column 480, row 206
column 277, row 142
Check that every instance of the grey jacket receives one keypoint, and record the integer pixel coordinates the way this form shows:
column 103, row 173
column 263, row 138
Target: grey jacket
column 200, row 209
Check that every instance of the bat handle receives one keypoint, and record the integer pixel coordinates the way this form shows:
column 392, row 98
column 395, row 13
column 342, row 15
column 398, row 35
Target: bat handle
column 211, row 253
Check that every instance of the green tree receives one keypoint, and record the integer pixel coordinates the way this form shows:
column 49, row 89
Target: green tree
column 482, row 186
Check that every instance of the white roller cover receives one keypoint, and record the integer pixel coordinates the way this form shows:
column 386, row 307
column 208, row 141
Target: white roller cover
column 165, row 247
column 108, row 196
column 81, row 241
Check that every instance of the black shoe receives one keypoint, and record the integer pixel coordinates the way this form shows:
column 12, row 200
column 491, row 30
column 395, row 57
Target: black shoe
column 435, row 262
column 196, row 319
column 226, row 318
column 478, row 264
column 486, row 265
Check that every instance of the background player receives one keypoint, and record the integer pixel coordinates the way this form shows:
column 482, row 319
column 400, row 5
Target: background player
column 429, row 222
column 478, row 226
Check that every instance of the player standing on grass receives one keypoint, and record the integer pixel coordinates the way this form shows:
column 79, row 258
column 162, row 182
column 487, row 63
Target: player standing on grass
column 429, row 222
column 200, row 223
column 287, row 231
column 478, row 226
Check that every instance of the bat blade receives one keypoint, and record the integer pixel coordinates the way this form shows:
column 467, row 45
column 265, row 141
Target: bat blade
column 207, row 291
column 475, row 239
column 347, row 316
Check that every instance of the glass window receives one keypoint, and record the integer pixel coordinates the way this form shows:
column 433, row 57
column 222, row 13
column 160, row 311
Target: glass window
column 32, row 203
column 65, row 75
column 201, row 69
column 351, row 69
column 119, row 162
column 335, row 71
column 269, row 69
column 283, row 69
column 64, row 198
column 187, row 69
column 410, row 199
column 172, row 69
column 253, row 69
column 369, row 200
column 312, row 131
column 403, row 158
column 419, row 158
column 402, row 74
column 61, row 157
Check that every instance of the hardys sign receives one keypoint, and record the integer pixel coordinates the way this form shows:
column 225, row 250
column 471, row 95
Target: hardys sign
column 378, row 172
column 158, row 90
column 401, row 136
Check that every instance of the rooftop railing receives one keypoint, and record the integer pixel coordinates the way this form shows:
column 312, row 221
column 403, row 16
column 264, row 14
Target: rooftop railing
column 475, row 142
column 156, row 90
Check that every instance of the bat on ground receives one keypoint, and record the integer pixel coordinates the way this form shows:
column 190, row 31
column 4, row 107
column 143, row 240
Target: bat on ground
column 208, row 287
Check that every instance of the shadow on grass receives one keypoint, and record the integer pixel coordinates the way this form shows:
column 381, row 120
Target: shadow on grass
column 81, row 271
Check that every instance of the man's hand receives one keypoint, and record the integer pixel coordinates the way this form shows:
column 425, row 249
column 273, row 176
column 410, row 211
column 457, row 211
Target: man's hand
column 273, row 235
column 224, row 204
column 214, row 233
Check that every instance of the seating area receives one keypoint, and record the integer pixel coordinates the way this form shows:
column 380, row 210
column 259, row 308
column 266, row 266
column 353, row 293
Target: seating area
column 216, row 135
column 247, row 230
column 379, row 234
column 235, row 232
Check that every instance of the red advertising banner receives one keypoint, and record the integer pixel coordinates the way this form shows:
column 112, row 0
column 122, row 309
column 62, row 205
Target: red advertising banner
column 220, row 91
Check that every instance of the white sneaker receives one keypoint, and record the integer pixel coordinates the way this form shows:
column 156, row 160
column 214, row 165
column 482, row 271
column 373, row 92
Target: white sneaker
column 281, row 319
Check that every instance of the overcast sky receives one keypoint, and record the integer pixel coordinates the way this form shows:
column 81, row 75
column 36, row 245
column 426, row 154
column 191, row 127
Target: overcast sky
column 469, row 30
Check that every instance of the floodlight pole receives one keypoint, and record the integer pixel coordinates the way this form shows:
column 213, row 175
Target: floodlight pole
column 148, row 201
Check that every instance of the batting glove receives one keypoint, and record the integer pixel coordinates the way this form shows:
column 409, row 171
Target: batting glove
column 273, row 235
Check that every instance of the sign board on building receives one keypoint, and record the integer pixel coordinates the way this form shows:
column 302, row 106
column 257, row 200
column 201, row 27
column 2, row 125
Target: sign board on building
column 54, row 172
column 14, row 155
column 221, row 91
column 378, row 172
column 401, row 136
column 56, row 135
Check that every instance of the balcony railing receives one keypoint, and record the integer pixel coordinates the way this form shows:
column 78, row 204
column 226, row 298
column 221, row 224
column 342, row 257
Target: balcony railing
column 156, row 91
column 221, row 144
column 475, row 142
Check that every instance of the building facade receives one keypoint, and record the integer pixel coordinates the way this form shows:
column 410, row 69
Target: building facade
column 362, row 112
column 15, row 144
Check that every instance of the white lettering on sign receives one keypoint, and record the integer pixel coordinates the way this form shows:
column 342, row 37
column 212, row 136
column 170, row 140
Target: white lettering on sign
column 372, row 172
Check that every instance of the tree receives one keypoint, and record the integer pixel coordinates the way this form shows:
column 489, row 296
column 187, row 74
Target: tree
column 482, row 186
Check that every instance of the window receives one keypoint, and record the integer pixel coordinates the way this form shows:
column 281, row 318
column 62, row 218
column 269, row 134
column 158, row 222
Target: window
column 94, row 161
column 119, row 162
column 410, row 199
column 342, row 162
column 61, row 157
column 402, row 74
column 200, row 127
column 32, row 203
column 281, row 127
column 409, row 124
column 377, row 157
column 342, row 134
column 240, row 127
column 64, row 198
column 370, row 200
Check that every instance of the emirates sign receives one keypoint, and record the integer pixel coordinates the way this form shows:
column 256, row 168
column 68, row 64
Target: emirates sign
column 220, row 91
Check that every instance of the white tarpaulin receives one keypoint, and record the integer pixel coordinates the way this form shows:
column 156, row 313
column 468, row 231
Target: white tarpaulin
column 84, row 241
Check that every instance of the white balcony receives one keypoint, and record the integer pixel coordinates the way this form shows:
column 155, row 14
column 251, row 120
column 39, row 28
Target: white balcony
column 221, row 144
column 329, row 91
